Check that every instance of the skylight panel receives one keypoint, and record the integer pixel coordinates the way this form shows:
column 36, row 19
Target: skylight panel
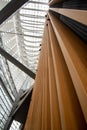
column 32, row 12
column 26, row 29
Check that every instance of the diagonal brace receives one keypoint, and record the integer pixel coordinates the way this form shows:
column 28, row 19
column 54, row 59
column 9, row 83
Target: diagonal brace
column 17, row 63
column 10, row 8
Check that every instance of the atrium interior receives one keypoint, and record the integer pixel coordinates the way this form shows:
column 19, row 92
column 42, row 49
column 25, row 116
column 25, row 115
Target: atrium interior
column 43, row 64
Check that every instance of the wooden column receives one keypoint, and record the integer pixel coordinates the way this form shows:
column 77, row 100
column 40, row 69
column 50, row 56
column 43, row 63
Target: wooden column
column 70, row 112
column 75, row 54
column 60, row 90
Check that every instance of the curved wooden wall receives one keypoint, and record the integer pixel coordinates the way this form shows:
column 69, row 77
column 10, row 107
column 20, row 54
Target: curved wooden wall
column 59, row 100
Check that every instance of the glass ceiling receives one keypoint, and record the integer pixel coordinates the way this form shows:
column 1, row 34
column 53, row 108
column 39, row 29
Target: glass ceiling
column 21, row 36
column 3, row 3
column 15, row 125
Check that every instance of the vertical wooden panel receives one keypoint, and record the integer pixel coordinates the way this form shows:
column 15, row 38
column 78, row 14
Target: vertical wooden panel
column 75, row 54
column 46, row 124
column 54, row 103
column 70, row 111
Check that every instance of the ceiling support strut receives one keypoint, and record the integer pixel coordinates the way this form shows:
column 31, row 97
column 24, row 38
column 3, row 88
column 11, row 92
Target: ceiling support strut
column 17, row 63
